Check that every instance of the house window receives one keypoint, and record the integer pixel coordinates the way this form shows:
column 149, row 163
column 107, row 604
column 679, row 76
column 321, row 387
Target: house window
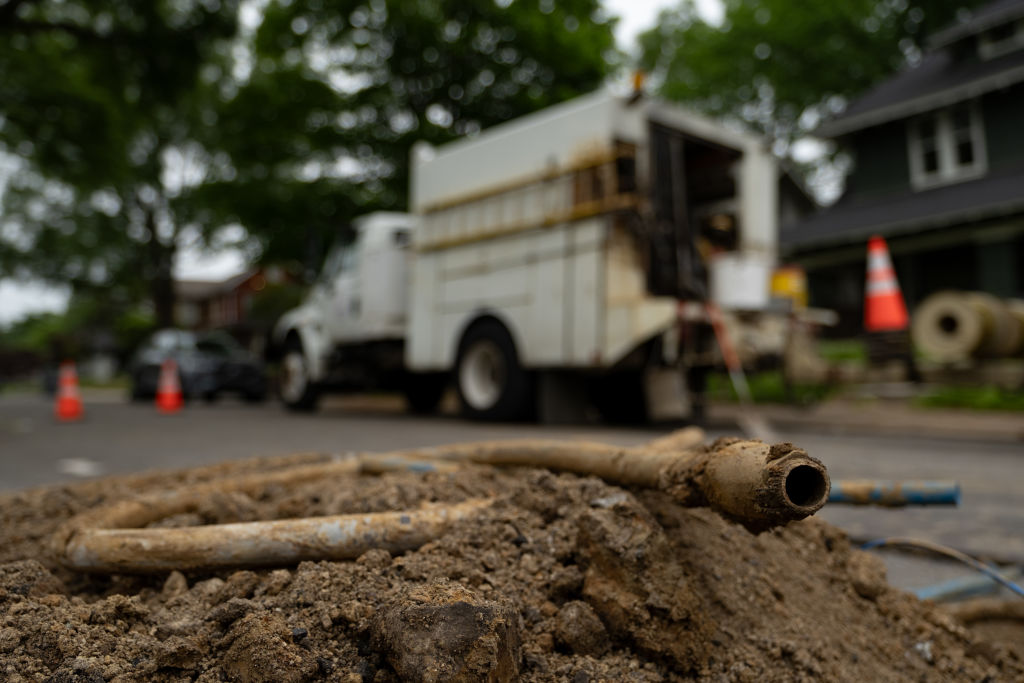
column 1002, row 39
column 946, row 146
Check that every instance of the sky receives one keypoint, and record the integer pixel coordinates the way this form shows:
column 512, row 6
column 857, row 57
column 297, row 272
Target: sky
column 18, row 298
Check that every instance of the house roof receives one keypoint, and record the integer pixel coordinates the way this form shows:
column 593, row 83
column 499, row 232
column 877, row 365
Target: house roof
column 192, row 290
column 981, row 19
column 853, row 221
column 939, row 80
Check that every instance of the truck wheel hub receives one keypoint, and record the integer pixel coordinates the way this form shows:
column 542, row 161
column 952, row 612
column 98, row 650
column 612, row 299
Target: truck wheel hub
column 294, row 381
column 482, row 375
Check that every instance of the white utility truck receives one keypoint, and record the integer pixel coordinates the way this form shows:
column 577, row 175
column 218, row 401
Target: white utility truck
column 561, row 258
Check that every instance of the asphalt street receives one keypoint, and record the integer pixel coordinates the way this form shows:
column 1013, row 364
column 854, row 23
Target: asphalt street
column 117, row 438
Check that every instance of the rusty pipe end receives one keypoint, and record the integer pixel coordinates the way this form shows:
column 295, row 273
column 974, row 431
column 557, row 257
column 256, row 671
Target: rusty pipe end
column 750, row 482
column 792, row 485
column 805, row 484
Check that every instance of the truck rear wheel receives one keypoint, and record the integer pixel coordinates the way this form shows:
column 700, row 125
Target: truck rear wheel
column 297, row 389
column 491, row 383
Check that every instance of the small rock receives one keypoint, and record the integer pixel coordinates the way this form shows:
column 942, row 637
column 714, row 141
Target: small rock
column 445, row 632
column 174, row 586
column 378, row 558
column 28, row 578
column 262, row 652
column 9, row 639
column 179, row 653
column 867, row 574
column 578, row 628
column 231, row 611
column 274, row 583
column 240, row 585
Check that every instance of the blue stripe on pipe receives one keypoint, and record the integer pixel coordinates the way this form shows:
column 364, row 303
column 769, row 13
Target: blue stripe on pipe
column 895, row 492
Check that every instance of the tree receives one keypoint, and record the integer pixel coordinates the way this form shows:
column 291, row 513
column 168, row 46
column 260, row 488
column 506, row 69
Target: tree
column 141, row 125
column 98, row 101
column 356, row 83
column 780, row 66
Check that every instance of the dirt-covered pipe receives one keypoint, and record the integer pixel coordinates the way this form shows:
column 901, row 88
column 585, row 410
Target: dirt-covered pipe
column 260, row 544
column 109, row 538
column 750, row 482
column 757, row 485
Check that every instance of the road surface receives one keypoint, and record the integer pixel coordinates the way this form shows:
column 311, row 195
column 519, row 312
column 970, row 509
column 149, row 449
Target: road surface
column 117, row 438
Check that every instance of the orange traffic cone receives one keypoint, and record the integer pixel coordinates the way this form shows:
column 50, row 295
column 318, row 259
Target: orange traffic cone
column 884, row 310
column 168, row 391
column 69, row 403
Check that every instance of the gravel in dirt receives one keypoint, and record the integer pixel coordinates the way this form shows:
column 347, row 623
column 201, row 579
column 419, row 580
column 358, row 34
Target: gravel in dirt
column 564, row 578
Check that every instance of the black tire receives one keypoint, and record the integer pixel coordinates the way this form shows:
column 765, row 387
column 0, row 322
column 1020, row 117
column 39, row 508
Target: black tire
column 136, row 394
column 254, row 396
column 297, row 391
column 211, row 397
column 423, row 391
column 620, row 398
column 491, row 383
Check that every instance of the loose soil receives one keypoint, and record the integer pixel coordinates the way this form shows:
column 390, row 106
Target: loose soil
column 565, row 578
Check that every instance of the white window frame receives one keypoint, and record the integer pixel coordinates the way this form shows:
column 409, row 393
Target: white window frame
column 990, row 49
column 949, row 171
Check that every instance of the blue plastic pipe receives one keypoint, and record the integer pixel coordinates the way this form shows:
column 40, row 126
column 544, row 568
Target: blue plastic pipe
column 894, row 493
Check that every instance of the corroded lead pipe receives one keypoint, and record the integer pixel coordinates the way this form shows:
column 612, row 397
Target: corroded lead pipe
column 260, row 544
column 750, row 482
column 757, row 485
column 108, row 538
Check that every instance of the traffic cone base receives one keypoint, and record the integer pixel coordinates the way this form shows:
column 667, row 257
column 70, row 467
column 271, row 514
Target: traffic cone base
column 168, row 391
column 69, row 403
column 884, row 309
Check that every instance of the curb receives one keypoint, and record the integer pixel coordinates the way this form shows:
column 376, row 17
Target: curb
column 1008, row 429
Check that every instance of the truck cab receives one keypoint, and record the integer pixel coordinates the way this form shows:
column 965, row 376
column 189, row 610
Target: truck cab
column 349, row 333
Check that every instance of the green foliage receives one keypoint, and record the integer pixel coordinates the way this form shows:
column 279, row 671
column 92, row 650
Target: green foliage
column 89, row 321
column 769, row 387
column 34, row 332
column 974, row 398
column 138, row 125
column 781, row 66
column 274, row 300
column 97, row 99
column 321, row 129
column 842, row 350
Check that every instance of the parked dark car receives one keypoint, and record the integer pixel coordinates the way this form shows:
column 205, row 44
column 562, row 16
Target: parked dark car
column 209, row 364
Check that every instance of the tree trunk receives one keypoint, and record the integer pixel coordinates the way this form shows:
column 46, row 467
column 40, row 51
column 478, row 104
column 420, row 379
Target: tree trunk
column 160, row 262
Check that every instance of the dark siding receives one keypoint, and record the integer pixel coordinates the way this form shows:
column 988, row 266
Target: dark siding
column 1003, row 114
column 881, row 165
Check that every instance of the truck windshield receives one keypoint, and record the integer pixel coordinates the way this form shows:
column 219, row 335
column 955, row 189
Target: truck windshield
column 332, row 264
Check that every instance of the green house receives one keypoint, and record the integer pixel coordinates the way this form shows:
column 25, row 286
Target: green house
column 938, row 170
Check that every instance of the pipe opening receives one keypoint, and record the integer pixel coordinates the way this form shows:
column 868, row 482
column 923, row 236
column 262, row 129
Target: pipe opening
column 806, row 486
column 948, row 324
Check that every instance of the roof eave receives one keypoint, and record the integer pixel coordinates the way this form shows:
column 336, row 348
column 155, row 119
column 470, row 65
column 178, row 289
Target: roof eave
column 973, row 27
column 908, row 225
column 920, row 104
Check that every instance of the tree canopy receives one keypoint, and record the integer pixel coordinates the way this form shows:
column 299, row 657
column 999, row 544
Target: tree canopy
column 138, row 126
column 344, row 89
column 780, row 66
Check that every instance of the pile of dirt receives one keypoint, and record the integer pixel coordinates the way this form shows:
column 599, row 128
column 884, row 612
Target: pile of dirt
column 564, row 578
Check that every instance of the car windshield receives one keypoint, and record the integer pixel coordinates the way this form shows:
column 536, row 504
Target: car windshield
column 217, row 343
column 168, row 340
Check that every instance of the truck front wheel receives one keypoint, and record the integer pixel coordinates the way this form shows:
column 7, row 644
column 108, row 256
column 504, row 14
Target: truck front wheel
column 297, row 389
column 491, row 383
